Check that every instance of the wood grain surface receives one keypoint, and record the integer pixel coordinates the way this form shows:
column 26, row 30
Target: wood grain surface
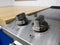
column 7, row 14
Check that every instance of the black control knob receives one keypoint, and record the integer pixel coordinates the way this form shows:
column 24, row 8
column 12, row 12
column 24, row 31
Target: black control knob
column 21, row 19
column 40, row 25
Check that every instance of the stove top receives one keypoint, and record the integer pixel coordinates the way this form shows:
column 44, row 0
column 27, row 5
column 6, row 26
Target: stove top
column 27, row 35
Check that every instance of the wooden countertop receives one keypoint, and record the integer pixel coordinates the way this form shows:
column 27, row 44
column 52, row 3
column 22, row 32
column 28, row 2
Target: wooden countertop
column 7, row 13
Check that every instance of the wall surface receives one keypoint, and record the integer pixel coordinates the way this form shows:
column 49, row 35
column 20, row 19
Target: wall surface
column 6, row 2
column 29, row 3
column 57, row 2
column 35, row 3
